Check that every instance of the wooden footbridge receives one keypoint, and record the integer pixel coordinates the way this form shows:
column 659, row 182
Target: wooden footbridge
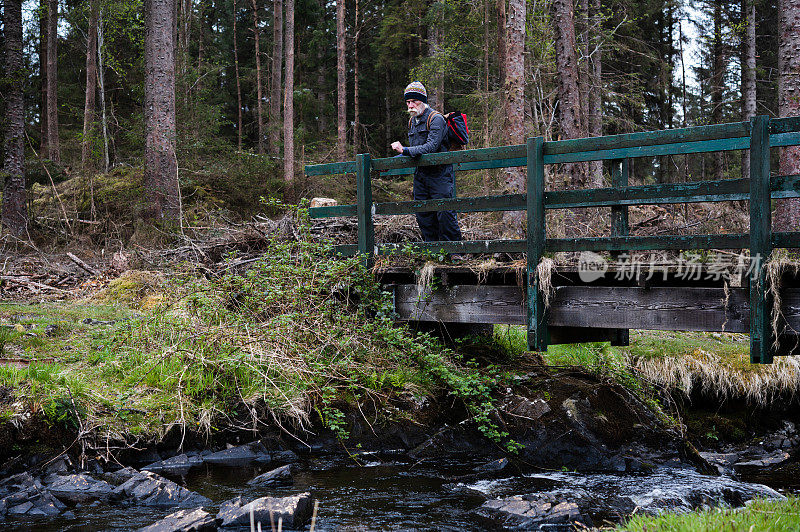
column 579, row 307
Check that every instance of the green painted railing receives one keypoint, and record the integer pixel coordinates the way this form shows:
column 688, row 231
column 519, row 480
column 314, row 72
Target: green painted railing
column 757, row 135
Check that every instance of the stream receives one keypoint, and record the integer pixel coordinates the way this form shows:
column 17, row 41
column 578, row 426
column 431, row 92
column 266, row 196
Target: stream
column 403, row 495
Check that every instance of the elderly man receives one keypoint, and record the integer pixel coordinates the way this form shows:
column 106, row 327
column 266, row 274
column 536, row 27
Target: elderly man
column 427, row 135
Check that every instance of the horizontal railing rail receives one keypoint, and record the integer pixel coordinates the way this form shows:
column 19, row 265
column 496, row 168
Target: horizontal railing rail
column 759, row 189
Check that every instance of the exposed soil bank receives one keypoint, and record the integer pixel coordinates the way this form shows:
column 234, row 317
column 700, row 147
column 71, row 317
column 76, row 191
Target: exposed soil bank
column 568, row 420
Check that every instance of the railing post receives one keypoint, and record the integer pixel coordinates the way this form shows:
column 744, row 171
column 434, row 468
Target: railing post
column 619, row 227
column 538, row 335
column 760, row 242
column 366, row 229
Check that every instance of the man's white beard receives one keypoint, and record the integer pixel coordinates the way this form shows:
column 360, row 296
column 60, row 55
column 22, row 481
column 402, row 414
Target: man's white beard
column 416, row 111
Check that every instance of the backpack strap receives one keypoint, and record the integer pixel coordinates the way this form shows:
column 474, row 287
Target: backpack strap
column 430, row 117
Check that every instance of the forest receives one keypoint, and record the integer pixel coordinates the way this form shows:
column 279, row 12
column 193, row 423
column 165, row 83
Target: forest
column 92, row 86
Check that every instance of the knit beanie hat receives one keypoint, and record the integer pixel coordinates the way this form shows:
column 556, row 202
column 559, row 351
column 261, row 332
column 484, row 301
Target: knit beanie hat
column 416, row 91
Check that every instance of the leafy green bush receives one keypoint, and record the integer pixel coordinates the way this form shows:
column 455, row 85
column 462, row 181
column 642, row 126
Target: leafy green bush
column 300, row 331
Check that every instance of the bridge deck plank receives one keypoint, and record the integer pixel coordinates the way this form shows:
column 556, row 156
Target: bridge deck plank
column 616, row 307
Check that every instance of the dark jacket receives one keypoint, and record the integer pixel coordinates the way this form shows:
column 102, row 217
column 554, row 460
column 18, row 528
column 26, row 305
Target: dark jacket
column 422, row 141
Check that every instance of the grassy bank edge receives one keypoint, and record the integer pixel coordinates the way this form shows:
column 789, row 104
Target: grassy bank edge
column 758, row 515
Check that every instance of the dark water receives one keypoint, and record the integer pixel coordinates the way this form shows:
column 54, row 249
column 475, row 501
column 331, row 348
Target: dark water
column 392, row 495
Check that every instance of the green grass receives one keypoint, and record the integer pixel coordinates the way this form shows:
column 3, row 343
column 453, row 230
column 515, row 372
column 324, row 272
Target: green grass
column 759, row 516
column 300, row 332
column 719, row 363
column 599, row 357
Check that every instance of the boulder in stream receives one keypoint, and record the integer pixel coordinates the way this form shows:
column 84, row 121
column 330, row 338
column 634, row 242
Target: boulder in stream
column 149, row 489
column 239, row 456
column 279, row 475
column 532, row 512
column 197, row 520
column 77, row 488
column 177, row 465
column 294, row 510
column 24, row 495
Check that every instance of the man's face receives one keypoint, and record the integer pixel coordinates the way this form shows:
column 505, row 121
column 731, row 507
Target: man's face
column 415, row 107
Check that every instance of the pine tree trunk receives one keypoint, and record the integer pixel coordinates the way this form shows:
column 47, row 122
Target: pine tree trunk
column 238, row 81
column 515, row 103
column 341, row 84
column 436, row 86
column 502, row 40
column 322, row 116
column 356, row 95
column 486, row 44
column 14, row 215
column 582, row 37
column 486, row 77
column 161, row 167
column 787, row 212
column 91, row 85
column 184, row 25
column 387, row 111
column 54, row 150
column 571, row 122
column 101, row 83
column 595, row 103
column 201, row 37
column 748, row 73
column 259, row 85
column 275, row 79
column 43, row 144
column 288, row 99
column 717, row 81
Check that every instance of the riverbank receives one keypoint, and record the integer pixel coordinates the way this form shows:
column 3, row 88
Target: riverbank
column 299, row 352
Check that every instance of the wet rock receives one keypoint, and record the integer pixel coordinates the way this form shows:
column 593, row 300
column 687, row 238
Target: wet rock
column 695, row 494
column 493, row 467
column 177, row 465
column 723, row 462
column 20, row 509
column 768, row 460
column 279, row 475
column 24, row 495
column 16, row 483
column 59, row 465
column 148, row 456
column 532, row 410
column 239, row 456
column 532, row 512
column 121, row 475
column 149, row 489
column 77, row 488
column 286, row 457
column 197, row 520
column 294, row 510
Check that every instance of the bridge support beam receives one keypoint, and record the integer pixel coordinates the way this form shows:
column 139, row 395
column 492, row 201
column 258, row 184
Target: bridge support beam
column 538, row 335
column 620, row 169
column 760, row 242
column 366, row 228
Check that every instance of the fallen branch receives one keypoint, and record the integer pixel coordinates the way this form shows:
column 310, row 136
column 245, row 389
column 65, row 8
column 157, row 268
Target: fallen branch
column 82, row 264
column 27, row 282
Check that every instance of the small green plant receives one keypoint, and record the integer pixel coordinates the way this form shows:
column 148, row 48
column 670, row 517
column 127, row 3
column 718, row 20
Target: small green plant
column 64, row 411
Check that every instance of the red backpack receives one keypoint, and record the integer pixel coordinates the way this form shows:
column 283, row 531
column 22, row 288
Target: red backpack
column 457, row 134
